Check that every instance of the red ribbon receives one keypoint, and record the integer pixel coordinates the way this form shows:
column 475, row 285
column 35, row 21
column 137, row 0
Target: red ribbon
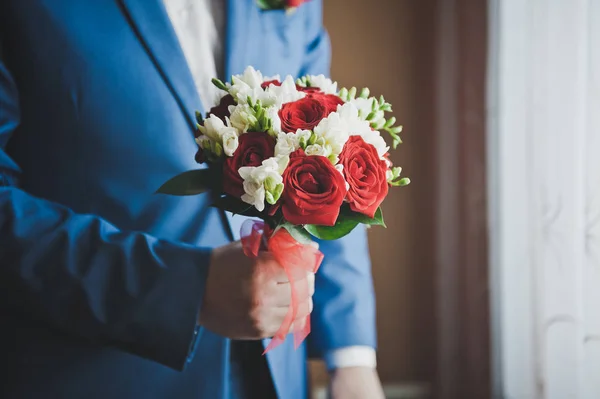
column 295, row 258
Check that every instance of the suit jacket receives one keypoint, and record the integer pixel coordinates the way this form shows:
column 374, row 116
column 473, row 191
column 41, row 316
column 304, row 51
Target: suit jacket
column 101, row 280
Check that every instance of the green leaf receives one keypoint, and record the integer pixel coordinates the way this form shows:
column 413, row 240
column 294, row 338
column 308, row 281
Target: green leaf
column 341, row 228
column 377, row 219
column 192, row 182
column 236, row 206
column 298, row 232
column 346, row 222
column 270, row 4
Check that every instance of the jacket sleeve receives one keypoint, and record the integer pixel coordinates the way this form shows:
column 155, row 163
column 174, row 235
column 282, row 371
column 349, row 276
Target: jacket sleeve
column 344, row 311
column 81, row 275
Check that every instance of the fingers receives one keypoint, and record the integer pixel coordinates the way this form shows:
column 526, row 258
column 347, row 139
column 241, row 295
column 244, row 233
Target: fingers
column 273, row 270
column 304, row 289
column 304, row 310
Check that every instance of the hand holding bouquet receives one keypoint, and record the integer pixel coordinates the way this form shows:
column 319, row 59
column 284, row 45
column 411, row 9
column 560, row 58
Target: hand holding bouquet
column 304, row 157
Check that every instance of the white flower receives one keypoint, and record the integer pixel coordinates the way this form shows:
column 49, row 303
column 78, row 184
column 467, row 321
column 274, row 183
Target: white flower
column 282, row 162
column 317, row 149
column 249, row 86
column 286, row 144
column 290, row 142
column 254, row 194
column 364, row 106
column 242, row 117
column 203, row 142
column 325, row 84
column 334, row 131
column 246, row 94
column 303, row 137
column 218, row 137
column 285, row 93
column 250, row 78
column 213, row 128
column 230, row 142
column 351, row 122
column 273, row 114
column 263, row 182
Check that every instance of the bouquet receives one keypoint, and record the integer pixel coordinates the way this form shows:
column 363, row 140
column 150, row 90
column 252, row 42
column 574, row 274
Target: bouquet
column 305, row 158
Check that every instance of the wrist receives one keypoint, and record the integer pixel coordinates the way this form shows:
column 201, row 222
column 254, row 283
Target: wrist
column 351, row 357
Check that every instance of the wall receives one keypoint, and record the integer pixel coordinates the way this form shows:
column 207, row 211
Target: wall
column 544, row 163
column 387, row 46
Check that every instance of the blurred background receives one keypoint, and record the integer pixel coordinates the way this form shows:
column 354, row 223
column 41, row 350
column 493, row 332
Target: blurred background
column 487, row 275
column 394, row 47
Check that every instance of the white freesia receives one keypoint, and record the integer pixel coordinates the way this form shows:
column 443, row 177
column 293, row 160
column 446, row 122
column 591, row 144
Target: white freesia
column 230, row 142
column 326, row 85
column 273, row 114
column 290, row 142
column 359, row 127
column 262, row 181
column 218, row 137
column 285, row 93
column 249, row 86
column 244, row 95
column 333, row 132
column 364, row 106
column 242, row 117
column 282, row 162
column 317, row 149
column 249, row 78
column 203, row 141
column 254, row 194
column 303, row 136
column 352, row 121
column 214, row 128
column 286, row 144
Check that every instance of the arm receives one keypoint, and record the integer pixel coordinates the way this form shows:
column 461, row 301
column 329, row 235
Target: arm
column 82, row 275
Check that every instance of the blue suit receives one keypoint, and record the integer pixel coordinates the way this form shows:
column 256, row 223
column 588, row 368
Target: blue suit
column 101, row 280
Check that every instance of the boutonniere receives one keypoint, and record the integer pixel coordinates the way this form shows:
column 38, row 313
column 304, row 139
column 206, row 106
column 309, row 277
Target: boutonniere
column 287, row 5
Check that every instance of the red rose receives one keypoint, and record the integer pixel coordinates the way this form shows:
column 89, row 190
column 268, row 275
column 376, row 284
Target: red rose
column 329, row 101
column 268, row 83
column 314, row 190
column 253, row 148
column 294, row 3
column 305, row 113
column 309, row 90
column 365, row 172
column 222, row 110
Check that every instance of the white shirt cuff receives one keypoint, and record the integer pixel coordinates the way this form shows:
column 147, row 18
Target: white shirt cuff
column 351, row 356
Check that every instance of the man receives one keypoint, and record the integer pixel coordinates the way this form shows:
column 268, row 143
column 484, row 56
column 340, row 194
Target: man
column 109, row 291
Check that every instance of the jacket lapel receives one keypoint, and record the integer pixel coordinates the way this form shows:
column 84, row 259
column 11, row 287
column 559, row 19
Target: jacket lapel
column 153, row 27
column 240, row 15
